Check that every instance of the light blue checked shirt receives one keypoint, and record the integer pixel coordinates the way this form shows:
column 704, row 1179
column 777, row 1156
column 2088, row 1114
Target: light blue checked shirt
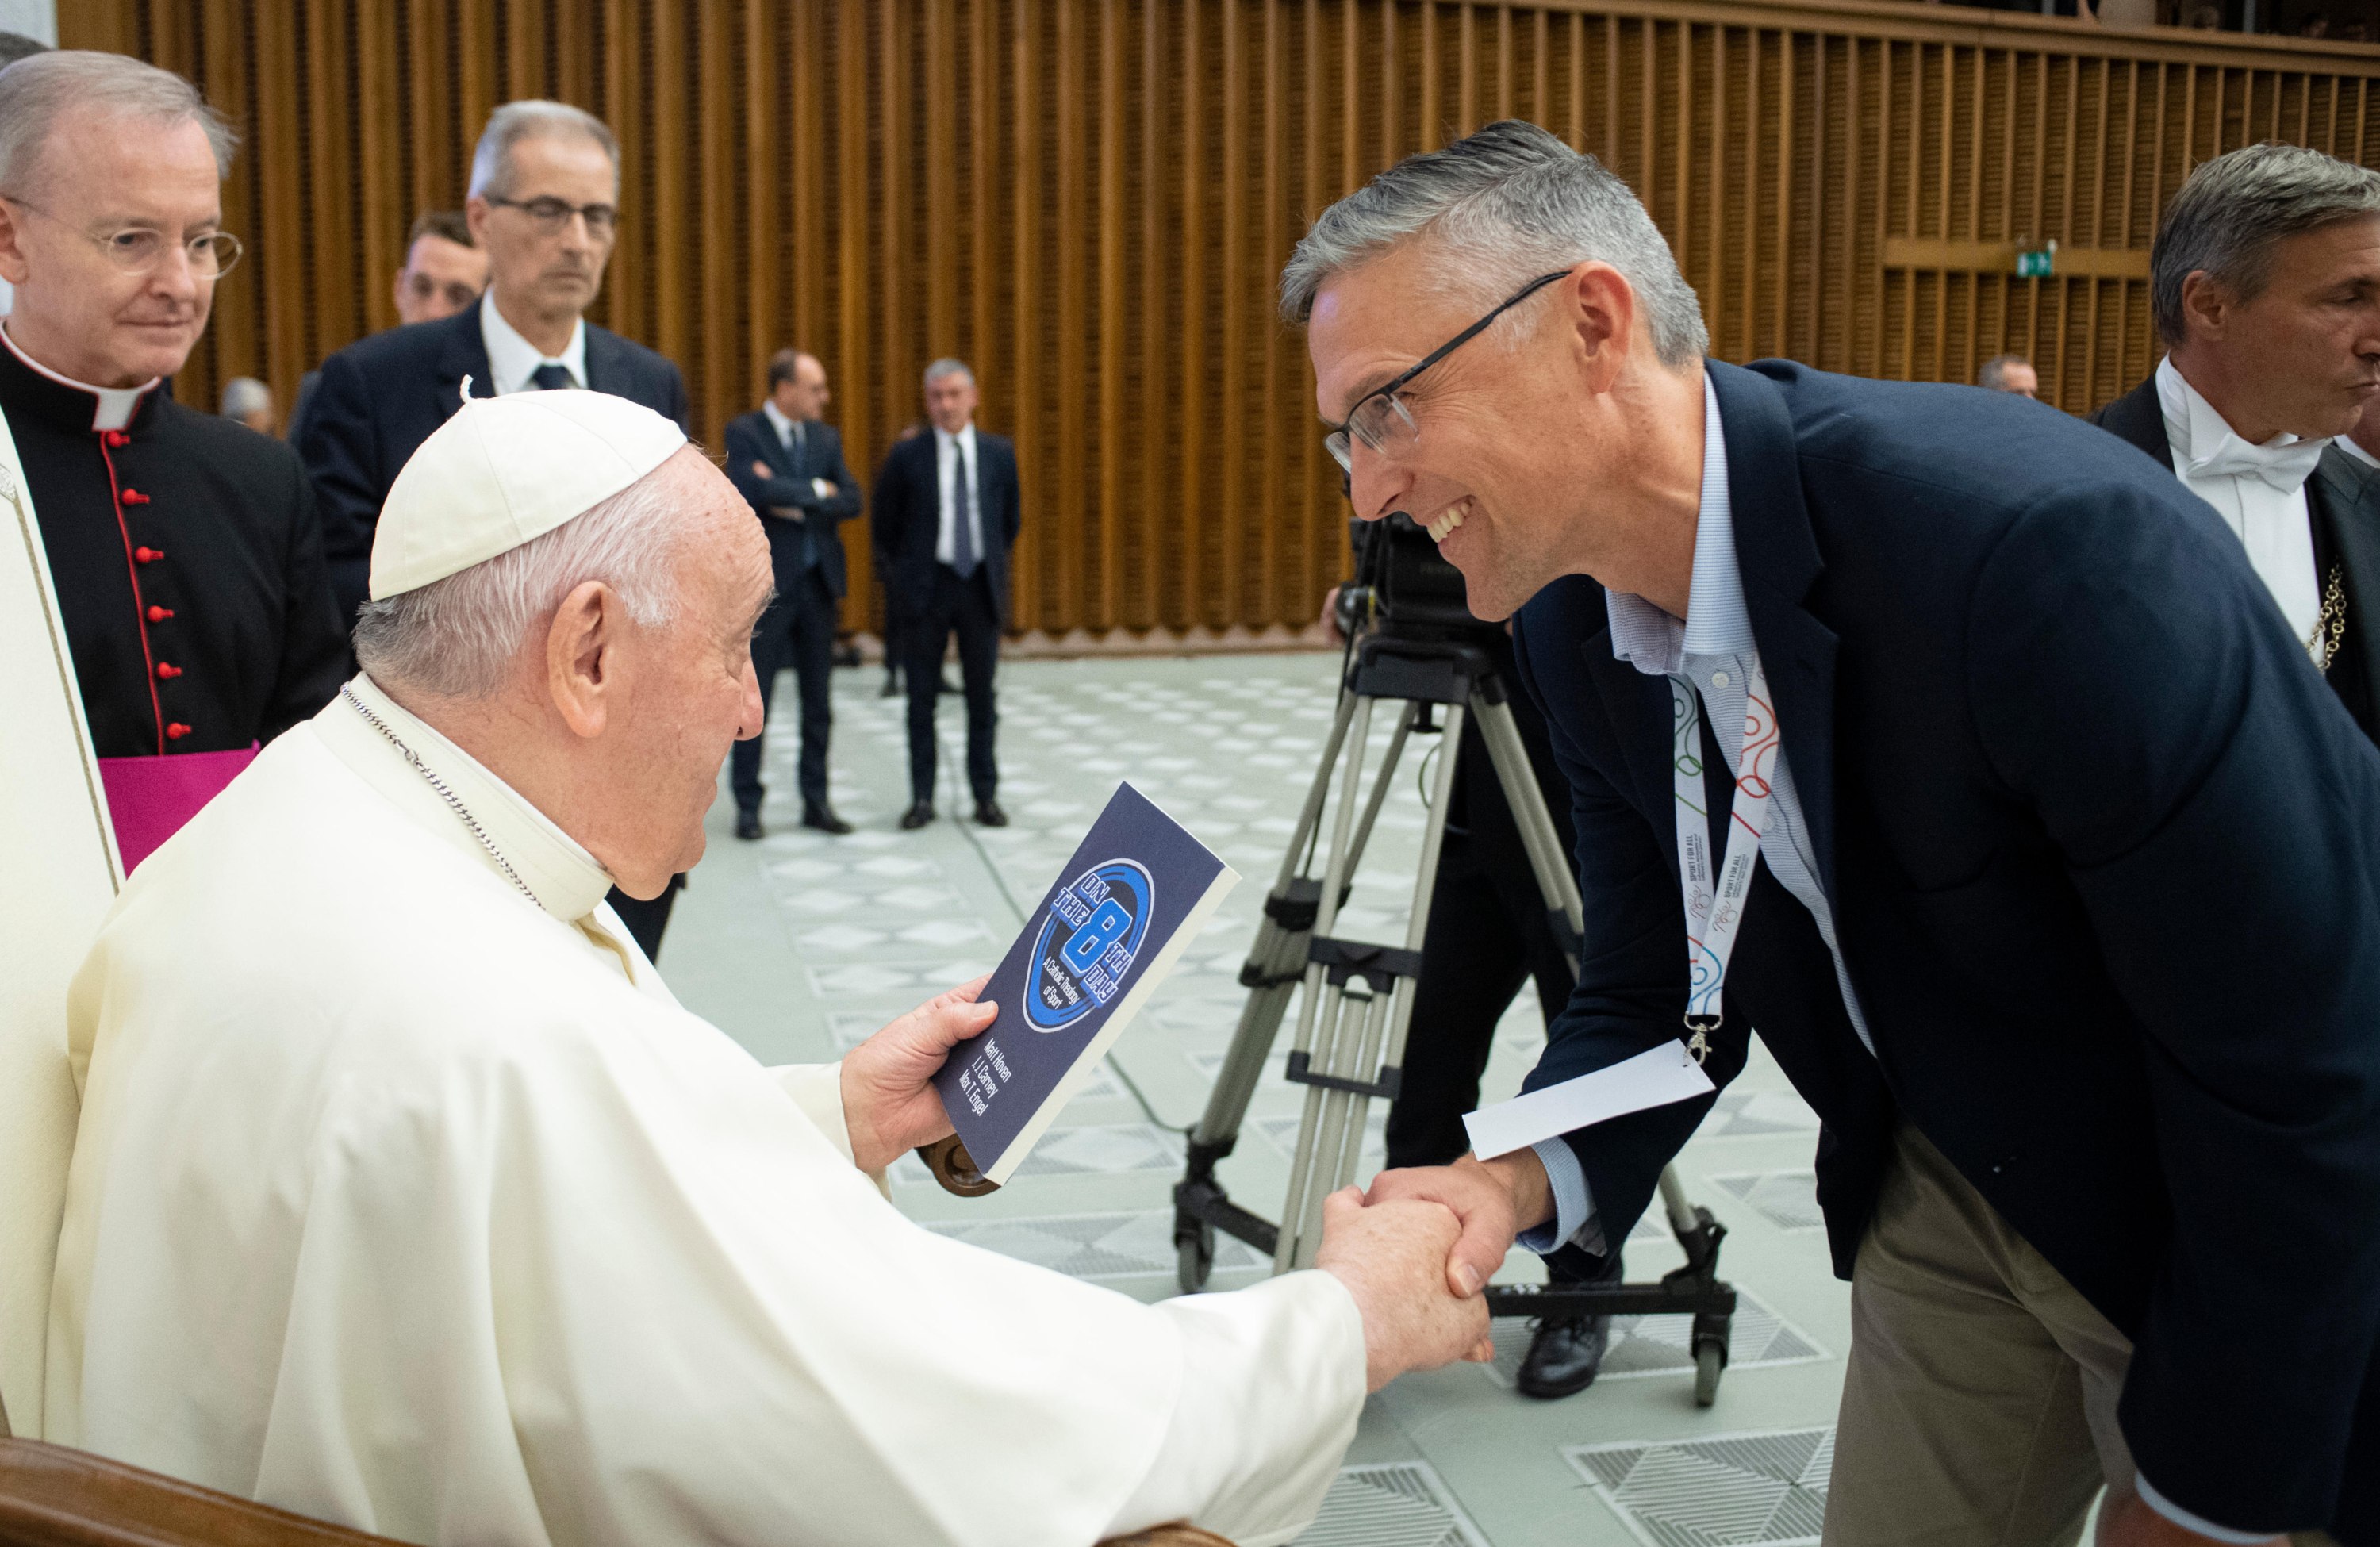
column 1708, row 651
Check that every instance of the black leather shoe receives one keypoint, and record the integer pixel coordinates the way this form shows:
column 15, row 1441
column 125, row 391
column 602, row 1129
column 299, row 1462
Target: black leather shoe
column 892, row 688
column 1564, row 1355
column 824, row 820
column 747, row 825
column 988, row 814
column 916, row 816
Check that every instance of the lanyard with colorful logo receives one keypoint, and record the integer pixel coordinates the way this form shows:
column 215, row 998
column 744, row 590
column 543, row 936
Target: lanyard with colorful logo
column 1715, row 904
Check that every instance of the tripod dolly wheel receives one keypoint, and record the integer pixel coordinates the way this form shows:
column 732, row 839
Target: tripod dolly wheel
column 1710, row 1361
column 1194, row 1247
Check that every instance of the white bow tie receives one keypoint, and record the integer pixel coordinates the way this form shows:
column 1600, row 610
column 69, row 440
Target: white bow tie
column 2285, row 466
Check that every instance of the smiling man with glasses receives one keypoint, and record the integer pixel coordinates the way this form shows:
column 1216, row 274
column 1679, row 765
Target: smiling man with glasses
column 184, row 547
column 2050, row 875
column 544, row 206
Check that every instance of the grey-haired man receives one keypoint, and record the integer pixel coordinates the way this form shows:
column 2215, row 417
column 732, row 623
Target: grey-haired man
column 2265, row 281
column 2054, row 866
column 544, row 205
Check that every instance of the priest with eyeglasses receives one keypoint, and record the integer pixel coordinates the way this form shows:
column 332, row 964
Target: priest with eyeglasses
column 184, row 548
column 407, row 1196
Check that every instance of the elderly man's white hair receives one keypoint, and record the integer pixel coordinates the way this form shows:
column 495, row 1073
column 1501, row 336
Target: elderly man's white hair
column 36, row 92
column 533, row 118
column 1504, row 206
column 457, row 638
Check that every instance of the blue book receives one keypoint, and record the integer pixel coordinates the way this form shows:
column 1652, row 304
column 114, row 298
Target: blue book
column 1136, row 893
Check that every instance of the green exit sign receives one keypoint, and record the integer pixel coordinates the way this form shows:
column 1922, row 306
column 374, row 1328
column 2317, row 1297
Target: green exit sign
column 2037, row 265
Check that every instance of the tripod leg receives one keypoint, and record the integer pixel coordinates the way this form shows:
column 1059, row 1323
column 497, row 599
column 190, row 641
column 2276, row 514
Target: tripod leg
column 1275, row 961
column 1334, row 881
column 1330, row 1142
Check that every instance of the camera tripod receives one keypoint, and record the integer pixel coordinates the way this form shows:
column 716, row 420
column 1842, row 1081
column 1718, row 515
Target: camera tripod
column 1354, row 1013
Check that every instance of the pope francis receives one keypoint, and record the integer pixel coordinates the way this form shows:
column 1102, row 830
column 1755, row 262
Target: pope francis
column 406, row 1196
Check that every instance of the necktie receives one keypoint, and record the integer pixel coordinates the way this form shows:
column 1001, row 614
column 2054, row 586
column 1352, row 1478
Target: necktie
column 2284, row 466
column 546, row 377
column 963, row 554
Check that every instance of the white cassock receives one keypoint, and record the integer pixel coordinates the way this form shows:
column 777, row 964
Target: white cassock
column 403, row 1200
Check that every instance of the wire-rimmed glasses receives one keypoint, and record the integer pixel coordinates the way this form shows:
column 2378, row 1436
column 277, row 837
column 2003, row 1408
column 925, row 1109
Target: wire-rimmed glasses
column 1380, row 418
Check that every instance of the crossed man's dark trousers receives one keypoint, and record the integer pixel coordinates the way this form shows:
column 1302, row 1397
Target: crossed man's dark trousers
column 798, row 631
column 965, row 608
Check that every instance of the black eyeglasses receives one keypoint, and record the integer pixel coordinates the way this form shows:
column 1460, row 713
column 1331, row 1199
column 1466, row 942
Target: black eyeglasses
column 1380, row 418
column 551, row 215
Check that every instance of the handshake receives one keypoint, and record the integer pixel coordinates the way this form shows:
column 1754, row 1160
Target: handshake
column 1413, row 1252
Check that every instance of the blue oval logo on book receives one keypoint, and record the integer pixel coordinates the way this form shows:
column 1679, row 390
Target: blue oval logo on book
column 1088, row 943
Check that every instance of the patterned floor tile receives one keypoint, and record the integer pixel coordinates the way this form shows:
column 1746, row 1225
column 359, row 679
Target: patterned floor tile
column 1788, row 1199
column 1755, row 1114
column 1755, row 1490
column 1394, row 1503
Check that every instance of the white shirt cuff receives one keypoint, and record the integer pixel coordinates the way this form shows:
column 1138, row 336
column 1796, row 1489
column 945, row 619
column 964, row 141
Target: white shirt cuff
column 2190, row 1522
column 1574, row 1222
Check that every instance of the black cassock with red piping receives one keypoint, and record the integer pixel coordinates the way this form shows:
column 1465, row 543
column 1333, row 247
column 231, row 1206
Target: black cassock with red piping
column 188, row 566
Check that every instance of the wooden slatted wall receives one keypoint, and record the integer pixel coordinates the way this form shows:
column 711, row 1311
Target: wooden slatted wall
column 1090, row 203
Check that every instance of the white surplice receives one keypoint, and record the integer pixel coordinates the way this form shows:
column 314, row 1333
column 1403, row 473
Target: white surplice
column 403, row 1200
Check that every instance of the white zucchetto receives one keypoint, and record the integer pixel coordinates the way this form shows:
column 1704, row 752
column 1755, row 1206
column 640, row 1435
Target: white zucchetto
column 506, row 470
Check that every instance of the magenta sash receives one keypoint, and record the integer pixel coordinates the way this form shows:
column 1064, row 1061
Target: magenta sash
column 149, row 798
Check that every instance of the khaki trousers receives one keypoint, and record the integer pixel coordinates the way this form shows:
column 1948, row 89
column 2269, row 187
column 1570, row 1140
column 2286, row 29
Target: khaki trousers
column 1979, row 1407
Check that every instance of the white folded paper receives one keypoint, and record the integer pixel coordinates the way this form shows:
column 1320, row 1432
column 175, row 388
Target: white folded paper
column 1654, row 1078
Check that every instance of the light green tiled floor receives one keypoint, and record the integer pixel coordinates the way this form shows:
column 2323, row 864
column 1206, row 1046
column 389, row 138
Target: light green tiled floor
column 800, row 944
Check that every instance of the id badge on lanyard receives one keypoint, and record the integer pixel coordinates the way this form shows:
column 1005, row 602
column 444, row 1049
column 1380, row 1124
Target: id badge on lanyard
column 1715, row 899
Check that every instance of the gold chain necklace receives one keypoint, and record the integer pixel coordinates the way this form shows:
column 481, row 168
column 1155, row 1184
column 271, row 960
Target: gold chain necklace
column 2330, row 623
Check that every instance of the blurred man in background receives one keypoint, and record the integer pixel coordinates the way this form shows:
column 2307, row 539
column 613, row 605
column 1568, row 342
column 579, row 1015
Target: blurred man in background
column 185, row 551
column 787, row 464
column 249, row 401
column 2009, row 373
column 944, row 520
column 545, row 208
column 443, row 272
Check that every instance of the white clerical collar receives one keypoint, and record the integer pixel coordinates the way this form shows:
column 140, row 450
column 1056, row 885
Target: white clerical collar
column 565, row 879
column 2205, row 444
column 777, row 421
column 1718, row 622
column 513, row 359
column 115, row 405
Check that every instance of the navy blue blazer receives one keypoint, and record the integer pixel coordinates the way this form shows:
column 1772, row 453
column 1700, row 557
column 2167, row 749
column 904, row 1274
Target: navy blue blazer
column 751, row 438
column 905, row 518
column 380, row 398
column 2104, row 858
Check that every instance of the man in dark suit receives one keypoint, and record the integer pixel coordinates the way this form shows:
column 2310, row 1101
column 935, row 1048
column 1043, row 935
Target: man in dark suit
column 789, row 464
column 2265, row 283
column 2054, row 866
column 544, row 206
column 946, row 516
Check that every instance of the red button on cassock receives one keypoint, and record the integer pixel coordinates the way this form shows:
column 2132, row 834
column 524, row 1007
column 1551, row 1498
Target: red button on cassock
column 167, row 670
column 145, row 554
column 175, row 731
column 116, row 438
column 134, row 496
column 159, row 614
